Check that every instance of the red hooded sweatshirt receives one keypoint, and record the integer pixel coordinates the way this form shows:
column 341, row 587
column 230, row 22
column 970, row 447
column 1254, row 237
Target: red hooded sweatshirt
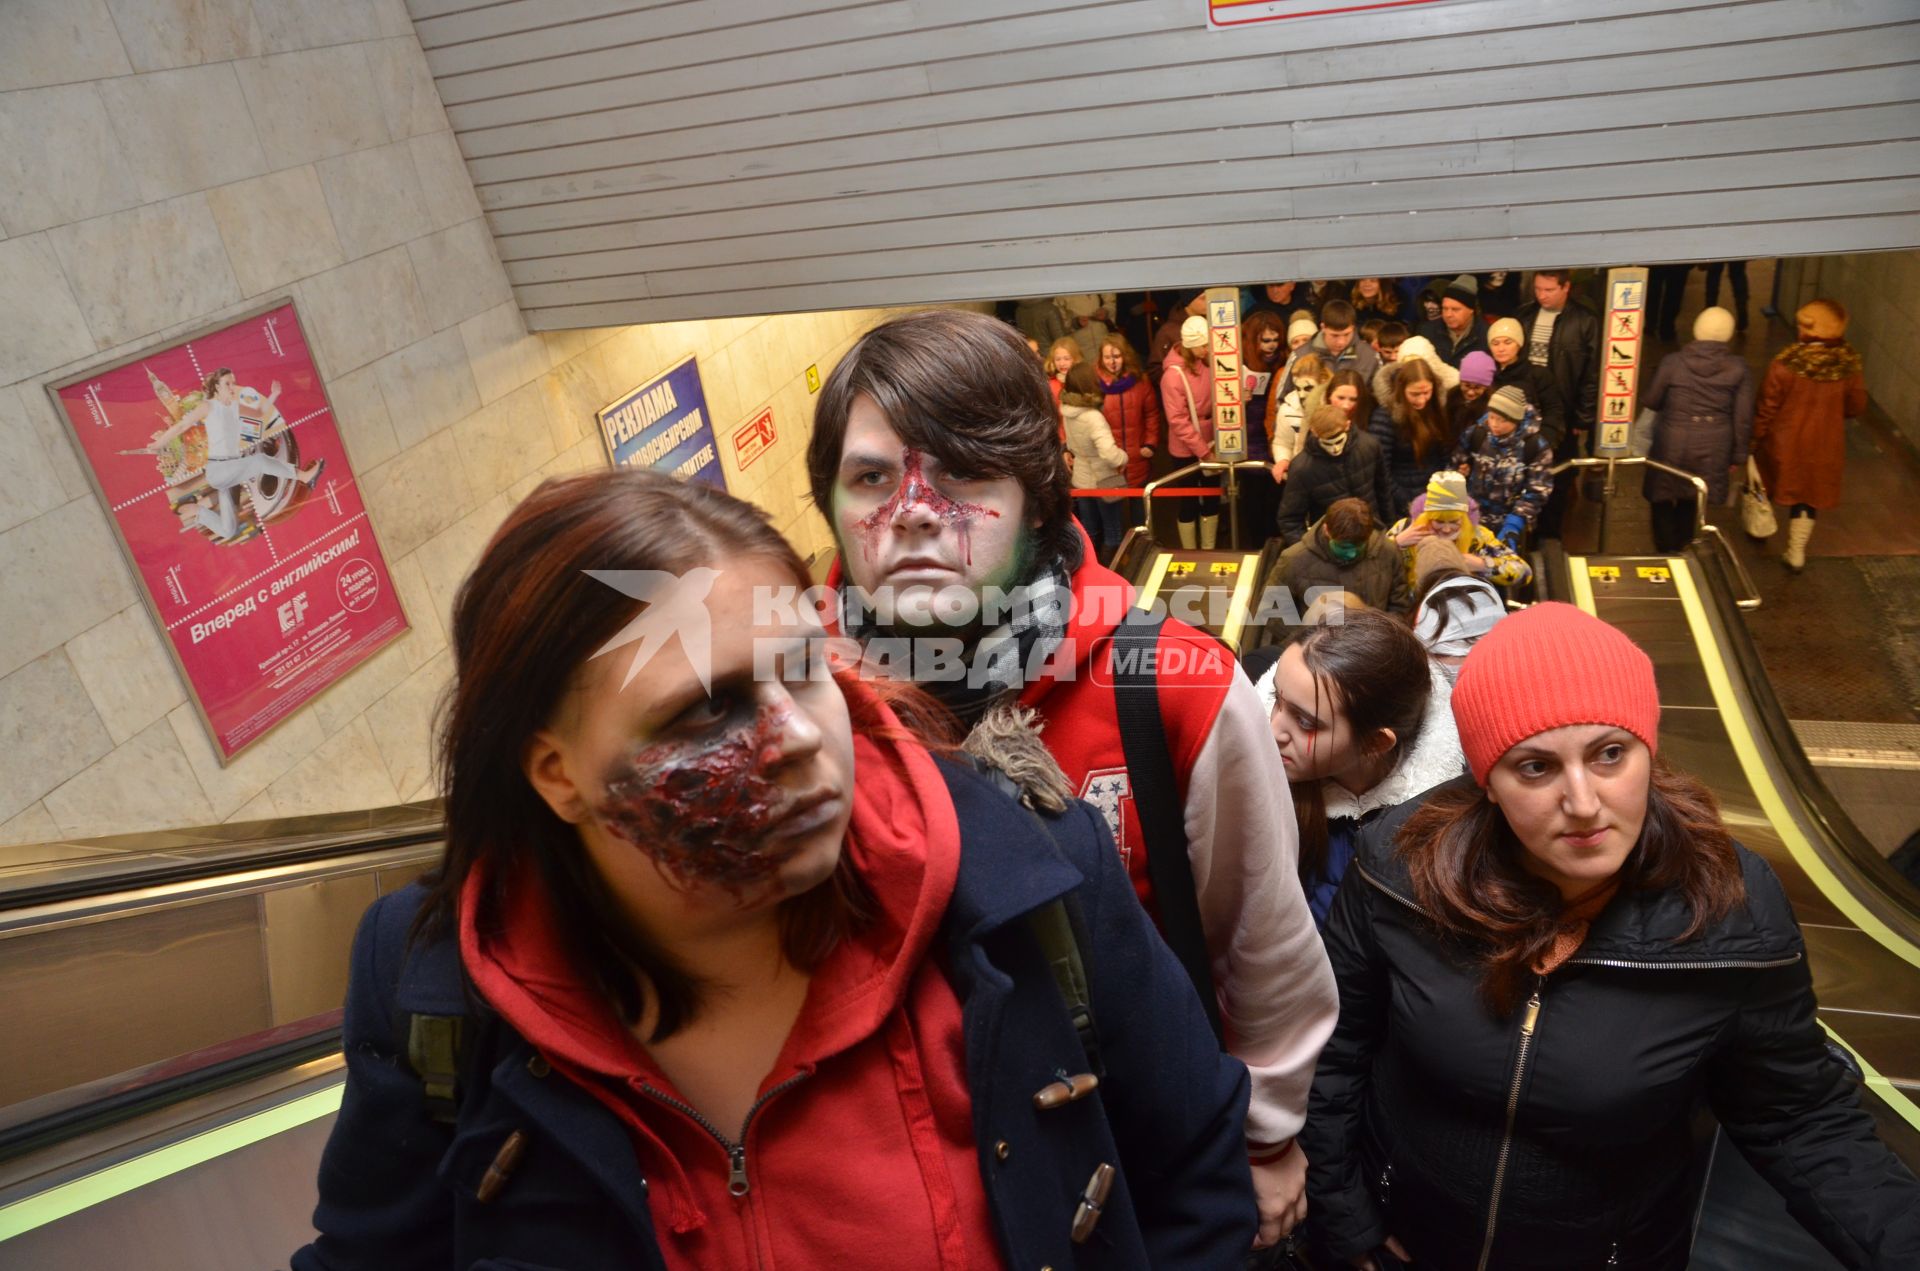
column 867, row 1159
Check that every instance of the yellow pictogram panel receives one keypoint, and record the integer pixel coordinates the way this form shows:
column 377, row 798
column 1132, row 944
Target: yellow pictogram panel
column 1606, row 573
column 1655, row 573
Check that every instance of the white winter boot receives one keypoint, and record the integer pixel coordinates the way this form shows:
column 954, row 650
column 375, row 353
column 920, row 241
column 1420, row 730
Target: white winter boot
column 1799, row 530
column 1186, row 534
column 1209, row 532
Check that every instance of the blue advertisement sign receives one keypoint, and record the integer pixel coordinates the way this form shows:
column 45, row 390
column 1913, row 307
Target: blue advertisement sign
column 664, row 425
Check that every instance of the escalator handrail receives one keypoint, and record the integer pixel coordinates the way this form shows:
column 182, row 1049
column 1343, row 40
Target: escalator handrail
column 85, row 1109
column 1845, row 850
column 148, row 872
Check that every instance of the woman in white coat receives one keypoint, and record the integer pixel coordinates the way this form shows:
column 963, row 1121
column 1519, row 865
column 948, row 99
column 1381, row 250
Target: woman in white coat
column 1098, row 462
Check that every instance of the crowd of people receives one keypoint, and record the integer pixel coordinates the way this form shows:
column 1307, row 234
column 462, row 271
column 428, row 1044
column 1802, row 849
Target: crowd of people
column 926, row 924
column 1431, row 373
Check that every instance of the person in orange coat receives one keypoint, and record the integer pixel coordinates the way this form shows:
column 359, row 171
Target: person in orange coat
column 1799, row 429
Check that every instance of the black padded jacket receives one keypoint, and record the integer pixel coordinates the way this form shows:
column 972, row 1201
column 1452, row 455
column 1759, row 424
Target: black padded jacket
column 1317, row 480
column 1481, row 1142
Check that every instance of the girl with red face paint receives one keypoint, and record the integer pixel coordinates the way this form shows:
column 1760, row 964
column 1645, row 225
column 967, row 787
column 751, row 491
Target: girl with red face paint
column 716, row 996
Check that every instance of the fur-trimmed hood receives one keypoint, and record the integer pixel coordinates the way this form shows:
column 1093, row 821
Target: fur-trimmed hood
column 1435, row 756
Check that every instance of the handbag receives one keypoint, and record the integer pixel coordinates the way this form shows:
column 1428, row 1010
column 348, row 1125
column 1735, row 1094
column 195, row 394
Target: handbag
column 1641, row 438
column 1756, row 510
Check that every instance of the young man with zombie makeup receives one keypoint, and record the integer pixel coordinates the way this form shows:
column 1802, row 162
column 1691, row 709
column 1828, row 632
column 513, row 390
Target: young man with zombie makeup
column 933, row 456
column 744, row 974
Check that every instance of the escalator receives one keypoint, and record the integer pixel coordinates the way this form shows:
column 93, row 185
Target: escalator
column 173, row 1038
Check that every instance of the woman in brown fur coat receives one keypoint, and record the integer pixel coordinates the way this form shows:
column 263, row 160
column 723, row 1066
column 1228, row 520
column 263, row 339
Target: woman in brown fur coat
column 1799, row 429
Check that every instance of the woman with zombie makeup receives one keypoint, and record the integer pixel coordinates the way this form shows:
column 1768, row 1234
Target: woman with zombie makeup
column 1360, row 717
column 731, row 970
column 1545, row 970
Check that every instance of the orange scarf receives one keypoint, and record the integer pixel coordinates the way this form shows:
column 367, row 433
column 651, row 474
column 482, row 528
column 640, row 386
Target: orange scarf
column 1575, row 917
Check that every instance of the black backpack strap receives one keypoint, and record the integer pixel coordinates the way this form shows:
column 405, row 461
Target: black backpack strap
column 1150, row 777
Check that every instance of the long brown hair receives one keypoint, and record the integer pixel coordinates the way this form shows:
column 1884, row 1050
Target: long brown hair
column 1467, row 876
column 1377, row 671
column 1424, row 431
column 1387, row 303
column 1363, row 408
column 1256, row 322
column 524, row 622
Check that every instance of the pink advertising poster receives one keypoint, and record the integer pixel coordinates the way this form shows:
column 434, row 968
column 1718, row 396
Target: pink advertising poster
column 223, row 471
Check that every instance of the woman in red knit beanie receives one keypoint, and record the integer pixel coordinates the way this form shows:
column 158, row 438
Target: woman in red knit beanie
column 1544, row 970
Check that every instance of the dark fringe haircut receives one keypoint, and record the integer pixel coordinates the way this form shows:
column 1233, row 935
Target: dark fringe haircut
column 1467, row 876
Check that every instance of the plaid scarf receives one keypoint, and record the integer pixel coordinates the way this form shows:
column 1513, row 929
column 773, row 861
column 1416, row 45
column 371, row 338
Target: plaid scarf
column 996, row 661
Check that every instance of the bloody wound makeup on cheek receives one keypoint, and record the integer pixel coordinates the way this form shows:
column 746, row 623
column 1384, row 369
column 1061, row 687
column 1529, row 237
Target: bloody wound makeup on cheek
column 914, row 488
column 701, row 808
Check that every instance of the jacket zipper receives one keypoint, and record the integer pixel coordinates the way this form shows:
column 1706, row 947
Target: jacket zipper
column 1527, row 1025
column 736, row 1152
column 1726, row 964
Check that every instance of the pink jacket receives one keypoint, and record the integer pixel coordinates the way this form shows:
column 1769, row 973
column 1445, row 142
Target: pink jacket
column 1187, row 397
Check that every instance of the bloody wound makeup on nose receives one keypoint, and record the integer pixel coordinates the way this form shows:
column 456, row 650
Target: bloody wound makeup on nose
column 915, row 488
column 700, row 808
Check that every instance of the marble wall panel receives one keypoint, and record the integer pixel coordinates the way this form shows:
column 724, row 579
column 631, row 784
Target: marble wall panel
column 49, row 332
column 184, row 130
column 60, row 42
column 145, row 782
column 60, row 158
column 313, row 104
column 127, row 671
column 402, row 724
column 276, row 228
column 343, row 774
column 575, row 389
column 427, row 636
column 151, row 267
column 48, row 730
column 162, row 34
column 61, row 572
column 49, row 428
column 503, row 441
column 416, row 495
column 459, row 273
column 303, row 24
column 28, row 484
column 363, row 310
column 444, row 179
column 503, row 355
column 360, row 411
column 253, row 770
column 35, row 825
column 428, row 385
column 346, row 699
column 406, row 87
column 450, row 555
column 375, row 198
